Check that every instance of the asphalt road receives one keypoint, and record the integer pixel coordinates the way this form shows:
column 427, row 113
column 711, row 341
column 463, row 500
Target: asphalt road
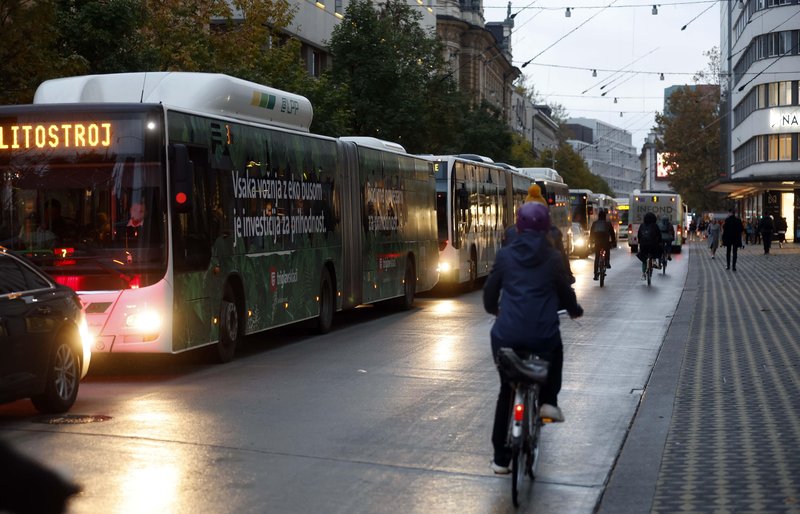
column 390, row 412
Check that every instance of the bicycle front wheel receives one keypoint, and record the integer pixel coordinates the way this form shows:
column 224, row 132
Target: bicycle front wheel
column 649, row 271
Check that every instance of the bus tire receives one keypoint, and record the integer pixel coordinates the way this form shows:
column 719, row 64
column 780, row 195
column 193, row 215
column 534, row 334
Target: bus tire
column 230, row 326
column 326, row 302
column 406, row 301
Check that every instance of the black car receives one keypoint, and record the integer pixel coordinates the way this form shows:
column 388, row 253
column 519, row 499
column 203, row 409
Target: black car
column 44, row 347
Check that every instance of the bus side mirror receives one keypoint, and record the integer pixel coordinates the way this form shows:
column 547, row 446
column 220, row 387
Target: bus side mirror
column 182, row 179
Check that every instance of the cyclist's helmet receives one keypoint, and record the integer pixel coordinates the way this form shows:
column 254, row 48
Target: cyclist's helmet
column 533, row 217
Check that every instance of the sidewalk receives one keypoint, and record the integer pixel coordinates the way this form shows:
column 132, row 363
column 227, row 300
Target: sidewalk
column 718, row 427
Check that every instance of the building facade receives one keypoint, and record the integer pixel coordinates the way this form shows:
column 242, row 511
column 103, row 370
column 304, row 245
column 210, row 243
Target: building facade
column 759, row 41
column 533, row 122
column 608, row 152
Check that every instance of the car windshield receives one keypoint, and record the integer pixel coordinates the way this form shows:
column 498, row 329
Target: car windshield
column 82, row 194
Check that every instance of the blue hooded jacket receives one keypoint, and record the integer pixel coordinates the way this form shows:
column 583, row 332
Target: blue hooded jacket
column 534, row 285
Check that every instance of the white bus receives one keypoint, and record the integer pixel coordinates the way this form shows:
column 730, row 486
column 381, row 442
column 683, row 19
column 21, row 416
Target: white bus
column 661, row 204
column 192, row 209
column 476, row 200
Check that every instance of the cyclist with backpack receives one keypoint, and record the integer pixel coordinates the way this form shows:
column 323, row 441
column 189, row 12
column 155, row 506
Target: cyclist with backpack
column 667, row 235
column 603, row 238
column 650, row 244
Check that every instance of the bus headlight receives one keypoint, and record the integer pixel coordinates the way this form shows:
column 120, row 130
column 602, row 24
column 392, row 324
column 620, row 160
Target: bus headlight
column 145, row 321
column 443, row 267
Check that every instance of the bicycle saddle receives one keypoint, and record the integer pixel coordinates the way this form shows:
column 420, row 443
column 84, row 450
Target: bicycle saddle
column 517, row 369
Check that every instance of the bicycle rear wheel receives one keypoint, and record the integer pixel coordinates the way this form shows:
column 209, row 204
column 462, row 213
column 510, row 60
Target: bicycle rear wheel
column 535, row 424
column 517, row 473
column 602, row 268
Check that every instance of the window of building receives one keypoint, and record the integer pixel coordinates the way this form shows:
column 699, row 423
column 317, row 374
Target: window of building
column 784, row 147
column 772, row 96
column 785, row 93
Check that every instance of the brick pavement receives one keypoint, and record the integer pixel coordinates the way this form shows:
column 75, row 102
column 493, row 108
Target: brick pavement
column 720, row 417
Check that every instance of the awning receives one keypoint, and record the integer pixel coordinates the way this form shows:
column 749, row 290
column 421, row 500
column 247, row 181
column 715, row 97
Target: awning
column 743, row 188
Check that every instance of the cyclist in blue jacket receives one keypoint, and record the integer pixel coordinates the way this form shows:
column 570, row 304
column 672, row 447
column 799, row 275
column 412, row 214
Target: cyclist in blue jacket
column 534, row 285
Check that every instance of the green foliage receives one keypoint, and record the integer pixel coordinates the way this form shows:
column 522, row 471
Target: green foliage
column 29, row 52
column 484, row 132
column 690, row 145
column 388, row 61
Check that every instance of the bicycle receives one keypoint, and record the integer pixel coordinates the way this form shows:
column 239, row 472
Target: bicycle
column 665, row 252
column 526, row 376
column 601, row 265
column 649, row 270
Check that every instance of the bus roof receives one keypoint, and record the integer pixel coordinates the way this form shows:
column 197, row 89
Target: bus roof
column 374, row 142
column 212, row 93
column 542, row 173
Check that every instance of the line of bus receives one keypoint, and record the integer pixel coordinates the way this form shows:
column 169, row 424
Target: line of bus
column 661, row 204
column 476, row 199
column 189, row 210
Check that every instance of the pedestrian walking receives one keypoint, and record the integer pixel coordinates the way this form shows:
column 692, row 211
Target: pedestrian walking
column 732, row 238
column 780, row 229
column 692, row 229
column 766, row 227
column 749, row 230
column 712, row 233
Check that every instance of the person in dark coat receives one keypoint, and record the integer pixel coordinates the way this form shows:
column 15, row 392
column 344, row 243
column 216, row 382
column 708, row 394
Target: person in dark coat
column 534, row 285
column 766, row 227
column 732, row 238
column 650, row 245
column 603, row 237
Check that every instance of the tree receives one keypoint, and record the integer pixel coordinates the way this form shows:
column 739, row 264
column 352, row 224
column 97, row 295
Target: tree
column 29, row 53
column 395, row 74
column 690, row 144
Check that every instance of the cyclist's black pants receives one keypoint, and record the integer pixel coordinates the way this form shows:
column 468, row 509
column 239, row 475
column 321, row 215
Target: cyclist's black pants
column 548, row 394
column 597, row 258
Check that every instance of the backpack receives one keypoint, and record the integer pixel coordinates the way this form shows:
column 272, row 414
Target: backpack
column 650, row 234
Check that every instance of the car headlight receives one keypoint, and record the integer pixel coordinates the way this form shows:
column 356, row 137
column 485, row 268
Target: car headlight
column 580, row 242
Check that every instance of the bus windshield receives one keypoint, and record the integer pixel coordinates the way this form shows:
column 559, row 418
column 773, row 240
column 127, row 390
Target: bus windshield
column 82, row 193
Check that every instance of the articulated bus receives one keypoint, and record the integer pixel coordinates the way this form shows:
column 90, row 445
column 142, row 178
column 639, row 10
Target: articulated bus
column 191, row 209
column 475, row 202
column 556, row 192
column 661, row 204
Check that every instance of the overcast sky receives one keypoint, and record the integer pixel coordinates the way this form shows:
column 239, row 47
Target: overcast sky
column 627, row 45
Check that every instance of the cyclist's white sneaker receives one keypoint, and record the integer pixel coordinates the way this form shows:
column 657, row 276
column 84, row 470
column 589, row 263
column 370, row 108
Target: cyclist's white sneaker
column 500, row 470
column 551, row 412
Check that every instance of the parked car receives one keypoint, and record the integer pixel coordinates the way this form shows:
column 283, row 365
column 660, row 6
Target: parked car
column 580, row 241
column 45, row 347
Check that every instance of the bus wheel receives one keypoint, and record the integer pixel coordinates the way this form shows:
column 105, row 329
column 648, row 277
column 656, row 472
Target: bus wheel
column 326, row 303
column 230, row 329
column 406, row 301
